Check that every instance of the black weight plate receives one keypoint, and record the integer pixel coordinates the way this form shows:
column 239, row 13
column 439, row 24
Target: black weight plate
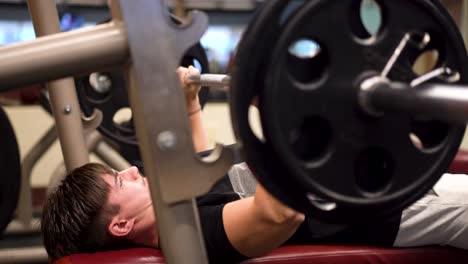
column 108, row 102
column 368, row 166
column 252, row 57
column 116, row 98
column 11, row 169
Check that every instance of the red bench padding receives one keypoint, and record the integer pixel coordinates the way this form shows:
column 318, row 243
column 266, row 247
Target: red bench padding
column 308, row 254
column 297, row 255
column 362, row 254
column 134, row 255
column 460, row 163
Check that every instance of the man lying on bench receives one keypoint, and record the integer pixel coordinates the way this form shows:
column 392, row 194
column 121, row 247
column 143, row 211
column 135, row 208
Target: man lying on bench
column 96, row 208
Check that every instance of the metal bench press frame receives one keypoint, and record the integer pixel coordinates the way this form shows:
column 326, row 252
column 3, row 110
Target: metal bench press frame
column 175, row 173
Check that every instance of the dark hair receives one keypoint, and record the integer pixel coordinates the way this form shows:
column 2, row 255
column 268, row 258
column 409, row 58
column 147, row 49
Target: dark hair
column 76, row 215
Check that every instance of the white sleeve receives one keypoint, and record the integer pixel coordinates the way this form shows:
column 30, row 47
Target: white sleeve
column 242, row 180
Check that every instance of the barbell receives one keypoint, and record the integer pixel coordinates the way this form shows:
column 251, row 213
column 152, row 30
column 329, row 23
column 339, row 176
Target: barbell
column 352, row 133
column 216, row 81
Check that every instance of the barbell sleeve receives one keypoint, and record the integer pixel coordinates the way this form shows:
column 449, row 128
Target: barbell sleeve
column 443, row 102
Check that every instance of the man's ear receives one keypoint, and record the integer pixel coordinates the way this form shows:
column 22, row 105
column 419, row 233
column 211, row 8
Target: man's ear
column 120, row 227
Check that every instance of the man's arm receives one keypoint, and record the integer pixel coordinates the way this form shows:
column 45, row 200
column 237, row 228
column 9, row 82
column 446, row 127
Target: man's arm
column 199, row 136
column 256, row 225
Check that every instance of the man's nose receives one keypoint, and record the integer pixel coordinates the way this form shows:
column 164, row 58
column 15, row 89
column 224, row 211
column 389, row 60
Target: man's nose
column 132, row 173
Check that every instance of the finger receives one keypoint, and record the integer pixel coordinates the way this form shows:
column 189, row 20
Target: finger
column 193, row 70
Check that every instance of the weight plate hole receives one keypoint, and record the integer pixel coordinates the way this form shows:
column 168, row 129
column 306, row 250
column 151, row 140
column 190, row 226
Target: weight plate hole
column 254, row 121
column 366, row 19
column 428, row 135
column 425, row 56
column 123, row 115
column 100, row 82
column 374, row 170
column 99, row 87
column 197, row 64
column 312, row 140
column 426, row 62
column 307, row 60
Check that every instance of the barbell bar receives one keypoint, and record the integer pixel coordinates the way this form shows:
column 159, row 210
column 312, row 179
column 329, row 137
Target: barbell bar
column 217, row 81
column 443, row 102
column 36, row 61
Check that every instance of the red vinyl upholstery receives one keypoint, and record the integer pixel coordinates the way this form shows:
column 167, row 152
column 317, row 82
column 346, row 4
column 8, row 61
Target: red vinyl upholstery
column 134, row 255
column 316, row 254
column 297, row 255
column 361, row 255
column 460, row 163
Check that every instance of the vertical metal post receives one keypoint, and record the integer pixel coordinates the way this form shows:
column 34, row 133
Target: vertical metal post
column 63, row 97
column 180, row 9
column 175, row 173
column 464, row 22
column 179, row 227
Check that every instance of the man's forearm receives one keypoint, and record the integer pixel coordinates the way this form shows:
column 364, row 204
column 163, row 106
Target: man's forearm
column 191, row 90
column 199, row 136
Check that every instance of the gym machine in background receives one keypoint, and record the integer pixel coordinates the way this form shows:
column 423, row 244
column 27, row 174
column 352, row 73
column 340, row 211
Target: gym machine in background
column 357, row 131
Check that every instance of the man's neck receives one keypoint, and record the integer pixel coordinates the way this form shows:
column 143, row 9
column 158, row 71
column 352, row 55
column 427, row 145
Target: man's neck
column 145, row 229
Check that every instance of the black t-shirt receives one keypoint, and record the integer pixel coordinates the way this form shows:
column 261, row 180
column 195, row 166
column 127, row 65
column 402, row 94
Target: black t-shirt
column 210, row 207
column 311, row 231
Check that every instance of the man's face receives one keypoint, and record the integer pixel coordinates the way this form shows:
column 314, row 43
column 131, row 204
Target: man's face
column 130, row 191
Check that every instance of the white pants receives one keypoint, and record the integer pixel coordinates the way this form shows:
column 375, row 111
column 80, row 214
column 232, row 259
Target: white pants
column 439, row 218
